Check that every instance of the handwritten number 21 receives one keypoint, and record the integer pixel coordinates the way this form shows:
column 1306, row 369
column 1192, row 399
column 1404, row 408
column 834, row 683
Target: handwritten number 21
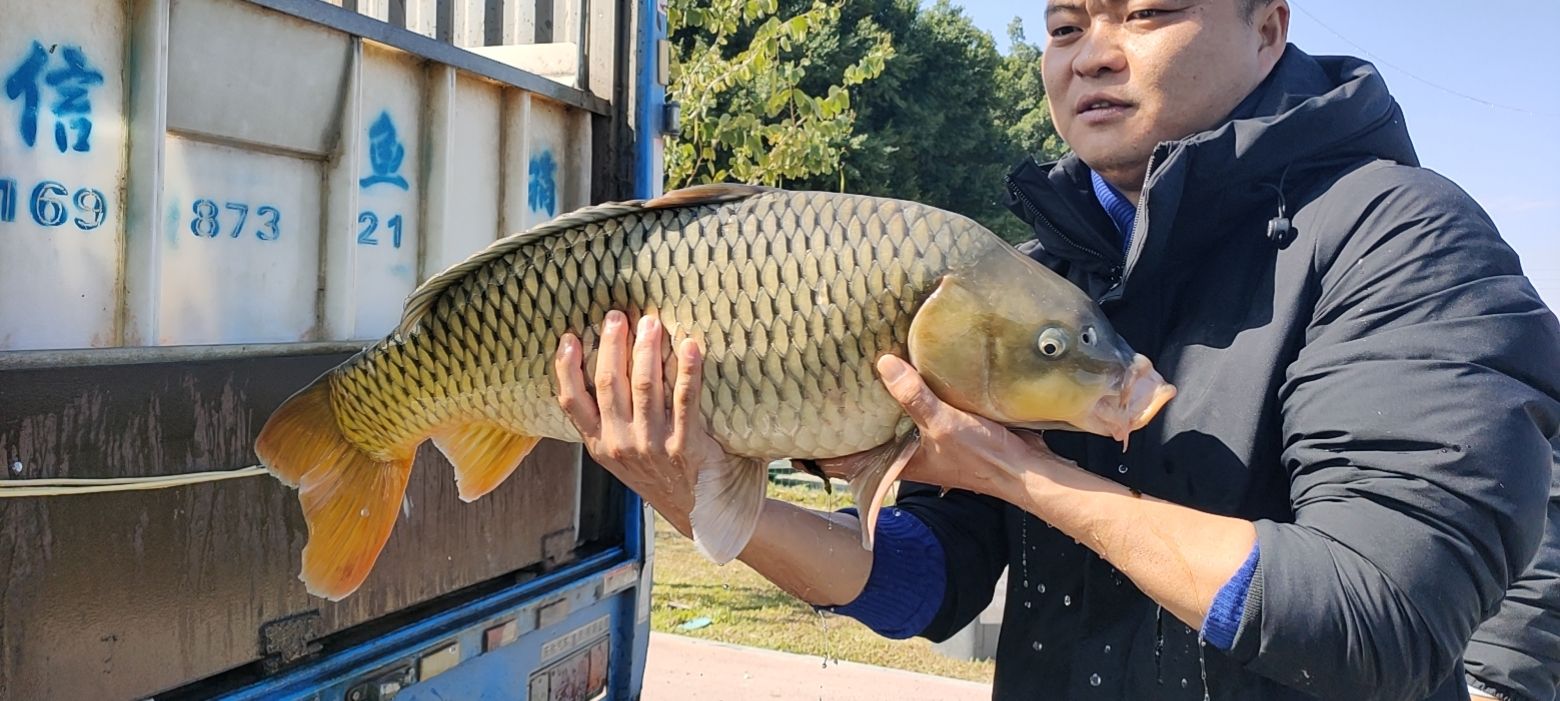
column 370, row 222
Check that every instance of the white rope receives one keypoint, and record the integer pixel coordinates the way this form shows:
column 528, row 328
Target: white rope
column 68, row 487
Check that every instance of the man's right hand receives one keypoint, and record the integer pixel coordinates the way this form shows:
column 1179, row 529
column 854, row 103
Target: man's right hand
column 656, row 450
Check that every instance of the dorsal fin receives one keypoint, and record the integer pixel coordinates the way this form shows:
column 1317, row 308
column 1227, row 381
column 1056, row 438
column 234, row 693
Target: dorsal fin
column 705, row 194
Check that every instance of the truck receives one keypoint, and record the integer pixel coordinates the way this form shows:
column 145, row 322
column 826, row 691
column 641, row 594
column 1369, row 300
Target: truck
column 204, row 205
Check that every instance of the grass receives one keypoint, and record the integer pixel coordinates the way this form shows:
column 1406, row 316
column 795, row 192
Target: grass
column 746, row 609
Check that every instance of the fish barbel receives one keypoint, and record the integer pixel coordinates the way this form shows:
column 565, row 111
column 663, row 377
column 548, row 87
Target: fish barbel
column 793, row 296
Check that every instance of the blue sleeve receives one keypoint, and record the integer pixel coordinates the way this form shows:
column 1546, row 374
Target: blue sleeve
column 1229, row 603
column 905, row 588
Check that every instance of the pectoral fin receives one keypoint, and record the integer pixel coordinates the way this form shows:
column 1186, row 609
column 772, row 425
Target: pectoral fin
column 876, row 471
column 726, row 505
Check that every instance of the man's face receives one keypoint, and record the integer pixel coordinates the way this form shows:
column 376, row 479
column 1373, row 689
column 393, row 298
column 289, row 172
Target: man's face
column 1124, row 75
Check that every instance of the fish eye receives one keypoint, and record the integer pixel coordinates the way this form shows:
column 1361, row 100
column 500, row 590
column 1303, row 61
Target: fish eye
column 1052, row 342
column 1087, row 337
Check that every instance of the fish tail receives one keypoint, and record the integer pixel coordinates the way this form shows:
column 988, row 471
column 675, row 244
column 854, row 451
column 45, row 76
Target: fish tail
column 350, row 499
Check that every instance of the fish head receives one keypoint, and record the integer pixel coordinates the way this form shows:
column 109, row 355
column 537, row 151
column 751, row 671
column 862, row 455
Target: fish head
column 1010, row 340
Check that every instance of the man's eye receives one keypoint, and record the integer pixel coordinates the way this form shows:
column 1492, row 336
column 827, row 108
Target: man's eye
column 1060, row 32
column 1145, row 14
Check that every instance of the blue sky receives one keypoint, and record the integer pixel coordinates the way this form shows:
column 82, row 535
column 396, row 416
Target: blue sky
column 1445, row 61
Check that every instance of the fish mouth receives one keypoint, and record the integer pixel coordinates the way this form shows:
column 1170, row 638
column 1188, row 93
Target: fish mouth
column 1141, row 393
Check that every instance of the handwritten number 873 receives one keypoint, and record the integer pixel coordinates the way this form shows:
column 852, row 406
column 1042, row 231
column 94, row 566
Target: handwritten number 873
column 206, row 223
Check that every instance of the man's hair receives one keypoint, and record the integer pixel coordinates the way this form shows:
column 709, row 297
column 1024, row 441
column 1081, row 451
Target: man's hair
column 1248, row 8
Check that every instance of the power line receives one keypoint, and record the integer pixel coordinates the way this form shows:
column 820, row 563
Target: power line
column 1411, row 74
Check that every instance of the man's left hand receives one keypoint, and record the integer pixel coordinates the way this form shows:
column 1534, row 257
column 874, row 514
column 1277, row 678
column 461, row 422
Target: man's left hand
column 1178, row 556
column 958, row 450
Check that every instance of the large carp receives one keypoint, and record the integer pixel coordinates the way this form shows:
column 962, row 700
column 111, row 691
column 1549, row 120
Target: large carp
column 793, row 296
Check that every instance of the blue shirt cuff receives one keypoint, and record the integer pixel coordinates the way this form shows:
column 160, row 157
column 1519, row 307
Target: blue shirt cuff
column 905, row 589
column 1229, row 604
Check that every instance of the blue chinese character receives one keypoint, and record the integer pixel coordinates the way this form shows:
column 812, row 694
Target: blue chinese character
column 385, row 154
column 70, row 84
column 72, row 110
column 542, row 194
column 23, row 83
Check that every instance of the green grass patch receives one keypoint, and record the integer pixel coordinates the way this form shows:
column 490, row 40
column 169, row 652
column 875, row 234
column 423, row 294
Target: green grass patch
column 746, row 609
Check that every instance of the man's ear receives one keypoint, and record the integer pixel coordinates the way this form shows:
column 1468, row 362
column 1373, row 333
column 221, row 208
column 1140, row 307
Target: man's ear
column 1272, row 23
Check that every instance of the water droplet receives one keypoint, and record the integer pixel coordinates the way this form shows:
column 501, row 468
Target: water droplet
column 1041, row 588
column 1067, row 600
column 1183, row 683
column 1094, row 680
column 1202, row 664
column 1028, row 605
column 1107, row 649
column 364, row 512
column 1038, row 646
column 1122, row 469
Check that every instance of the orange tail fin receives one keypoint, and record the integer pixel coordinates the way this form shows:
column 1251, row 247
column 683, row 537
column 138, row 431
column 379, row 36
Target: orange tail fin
column 350, row 500
column 484, row 455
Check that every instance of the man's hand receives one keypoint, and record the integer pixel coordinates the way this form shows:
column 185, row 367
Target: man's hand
column 656, row 450
column 958, row 450
column 1178, row 556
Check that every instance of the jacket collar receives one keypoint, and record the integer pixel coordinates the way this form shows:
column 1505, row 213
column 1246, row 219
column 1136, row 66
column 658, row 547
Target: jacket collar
column 1309, row 115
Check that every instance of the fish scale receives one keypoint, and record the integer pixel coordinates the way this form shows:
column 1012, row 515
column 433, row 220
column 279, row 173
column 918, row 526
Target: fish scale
column 793, row 296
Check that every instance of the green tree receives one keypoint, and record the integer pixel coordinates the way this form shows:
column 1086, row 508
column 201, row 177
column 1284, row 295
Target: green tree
column 1023, row 108
column 756, row 106
column 949, row 115
column 879, row 97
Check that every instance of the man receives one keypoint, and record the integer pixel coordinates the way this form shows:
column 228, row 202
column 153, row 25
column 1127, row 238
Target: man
column 1356, row 466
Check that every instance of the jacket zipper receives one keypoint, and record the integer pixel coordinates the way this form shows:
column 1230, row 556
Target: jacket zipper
column 1131, row 254
column 1034, row 211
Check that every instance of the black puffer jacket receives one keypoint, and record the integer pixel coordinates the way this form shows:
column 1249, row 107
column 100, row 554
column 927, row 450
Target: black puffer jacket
column 1377, row 390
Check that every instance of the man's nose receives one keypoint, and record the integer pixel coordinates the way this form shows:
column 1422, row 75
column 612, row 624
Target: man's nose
column 1099, row 53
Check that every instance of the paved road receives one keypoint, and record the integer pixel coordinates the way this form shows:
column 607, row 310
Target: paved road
column 688, row 669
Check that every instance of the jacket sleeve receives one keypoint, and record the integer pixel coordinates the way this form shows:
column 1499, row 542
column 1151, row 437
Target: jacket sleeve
column 972, row 532
column 1516, row 654
column 1417, row 417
